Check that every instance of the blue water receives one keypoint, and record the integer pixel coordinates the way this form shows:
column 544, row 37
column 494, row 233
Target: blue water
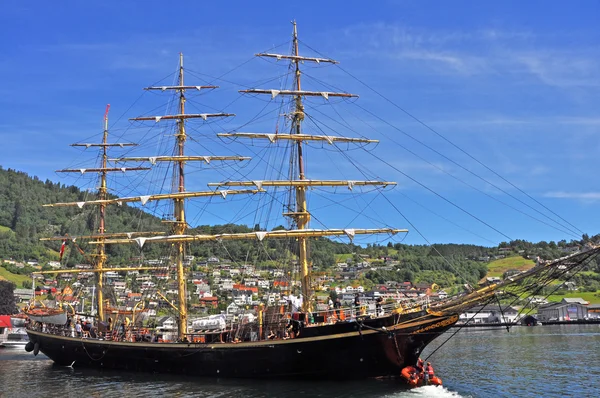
column 545, row 361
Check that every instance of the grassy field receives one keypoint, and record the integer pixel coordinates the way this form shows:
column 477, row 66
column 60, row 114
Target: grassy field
column 342, row 257
column 17, row 279
column 499, row 267
column 591, row 297
column 4, row 229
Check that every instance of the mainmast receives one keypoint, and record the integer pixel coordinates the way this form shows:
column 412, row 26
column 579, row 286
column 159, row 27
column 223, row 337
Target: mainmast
column 101, row 258
column 178, row 197
column 180, row 224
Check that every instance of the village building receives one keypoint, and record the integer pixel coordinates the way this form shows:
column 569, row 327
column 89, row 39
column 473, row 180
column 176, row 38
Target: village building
column 491, row 313
column 568, row 309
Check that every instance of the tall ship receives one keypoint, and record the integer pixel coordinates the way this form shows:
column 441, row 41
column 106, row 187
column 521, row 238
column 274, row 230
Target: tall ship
column 296, row 337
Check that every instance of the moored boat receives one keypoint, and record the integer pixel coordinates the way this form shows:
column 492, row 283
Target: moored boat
column 12, row 332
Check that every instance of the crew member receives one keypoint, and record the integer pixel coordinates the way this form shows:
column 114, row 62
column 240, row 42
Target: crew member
column 428, row 372
column 378, row 303
column 419, row 365
column 356, row 304
column 337, row 305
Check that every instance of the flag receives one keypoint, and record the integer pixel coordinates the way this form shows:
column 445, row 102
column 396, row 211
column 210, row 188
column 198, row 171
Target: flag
column 62, row 249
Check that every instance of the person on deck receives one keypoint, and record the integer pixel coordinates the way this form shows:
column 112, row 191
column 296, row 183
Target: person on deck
column 356, row 305
column 337, row 305
column 78, row 328
column 86, row 328
column 122, row 332
column 378, row 303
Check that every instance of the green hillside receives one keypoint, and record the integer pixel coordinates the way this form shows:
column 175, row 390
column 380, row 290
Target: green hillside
column 14, row 278
column 23, row 220
column 499, row 267
column 591, row 297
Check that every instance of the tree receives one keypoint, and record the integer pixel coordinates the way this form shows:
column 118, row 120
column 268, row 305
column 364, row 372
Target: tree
column 7, row 298
column 333, row 294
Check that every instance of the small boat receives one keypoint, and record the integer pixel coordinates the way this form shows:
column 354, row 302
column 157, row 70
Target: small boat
column 412, row 377
column 10, row 334
column 14, row 337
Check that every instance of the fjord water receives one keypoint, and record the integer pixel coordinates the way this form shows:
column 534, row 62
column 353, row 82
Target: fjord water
column 543, row 361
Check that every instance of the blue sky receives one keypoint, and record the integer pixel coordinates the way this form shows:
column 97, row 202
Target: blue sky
column 514, row 84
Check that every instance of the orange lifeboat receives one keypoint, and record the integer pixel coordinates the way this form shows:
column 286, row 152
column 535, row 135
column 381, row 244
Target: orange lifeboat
column 413, row 378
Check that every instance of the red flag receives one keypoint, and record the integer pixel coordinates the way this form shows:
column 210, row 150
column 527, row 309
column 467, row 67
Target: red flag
column 62, row 249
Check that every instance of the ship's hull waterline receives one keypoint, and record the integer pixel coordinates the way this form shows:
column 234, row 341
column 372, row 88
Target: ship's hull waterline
column 361, row 353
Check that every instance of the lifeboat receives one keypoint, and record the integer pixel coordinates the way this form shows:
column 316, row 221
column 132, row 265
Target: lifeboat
column 414, row 379
column 55, row 316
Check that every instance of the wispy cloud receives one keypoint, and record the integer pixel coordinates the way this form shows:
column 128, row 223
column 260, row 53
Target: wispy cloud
column 583, row 196
column 486, row 51
column 533, row 121
column 563, row 68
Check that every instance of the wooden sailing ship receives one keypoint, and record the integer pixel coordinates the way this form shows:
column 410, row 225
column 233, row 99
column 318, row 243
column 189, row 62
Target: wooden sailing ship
column 321, row 344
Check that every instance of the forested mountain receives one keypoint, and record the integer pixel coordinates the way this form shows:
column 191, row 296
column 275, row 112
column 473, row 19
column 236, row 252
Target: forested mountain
column 23, row 221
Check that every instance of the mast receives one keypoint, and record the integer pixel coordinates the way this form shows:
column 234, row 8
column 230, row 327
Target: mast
column 180, row 223
column 101, row 258
column 302, row 216
column 103, row 170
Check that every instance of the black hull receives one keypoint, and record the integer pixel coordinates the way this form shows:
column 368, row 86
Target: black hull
column 365, row 351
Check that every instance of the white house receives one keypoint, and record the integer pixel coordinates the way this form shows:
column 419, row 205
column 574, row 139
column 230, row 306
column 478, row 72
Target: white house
column 491, row 313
